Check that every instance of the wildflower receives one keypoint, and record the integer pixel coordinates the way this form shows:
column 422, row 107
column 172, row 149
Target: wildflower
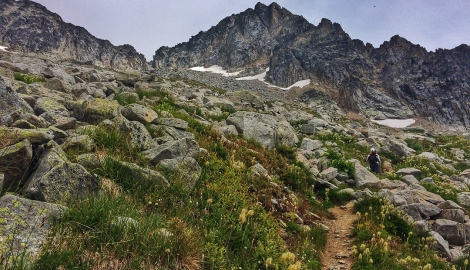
column 288, row 257
column 360, row 257
column 209, row 201
column 358, row 214
column 167, row 250
column 371, row 261
column 296, row 266
column 250, row 213
column 242, row 217
column 465, row 262
column 268, row 262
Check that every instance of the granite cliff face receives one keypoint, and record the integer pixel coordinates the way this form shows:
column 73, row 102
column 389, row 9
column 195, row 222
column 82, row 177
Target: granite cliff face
column 397, row 80
column 29, row 27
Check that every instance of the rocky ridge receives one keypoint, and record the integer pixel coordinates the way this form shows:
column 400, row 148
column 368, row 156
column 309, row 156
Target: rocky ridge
column 47, row 35
column 397, row 80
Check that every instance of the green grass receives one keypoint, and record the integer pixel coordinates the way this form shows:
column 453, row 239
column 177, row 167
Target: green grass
column 28, row 78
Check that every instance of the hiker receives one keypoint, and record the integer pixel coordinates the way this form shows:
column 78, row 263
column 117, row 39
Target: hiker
column 374, row 160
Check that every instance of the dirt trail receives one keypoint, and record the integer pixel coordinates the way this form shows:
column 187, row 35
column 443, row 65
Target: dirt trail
column 337, row 253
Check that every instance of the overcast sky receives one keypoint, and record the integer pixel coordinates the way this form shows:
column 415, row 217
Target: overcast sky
column 150, row 24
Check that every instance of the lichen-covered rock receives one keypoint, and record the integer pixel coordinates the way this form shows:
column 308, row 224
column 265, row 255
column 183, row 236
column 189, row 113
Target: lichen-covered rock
column 451, row 231
column 172, row 122
column 186, row 168
column 11, row 102
column 410, row 171
column 310, row 145
column 363, row 176
column 175, row 133
column 9, row 136
column 139, row 113
column 96, row 110
column 421, row 211
column 136, row 132
column 174, row 149
column 268, row 130
column 463, row 198
column 452, row 214
column 57, row 180
column 144, row 174
column 24, row 225
column 14, row 163
column 442, row 246
column 48, row 104
column 80, row 142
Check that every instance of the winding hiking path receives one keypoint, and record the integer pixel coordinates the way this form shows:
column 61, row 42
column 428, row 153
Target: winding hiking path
column 337, row 253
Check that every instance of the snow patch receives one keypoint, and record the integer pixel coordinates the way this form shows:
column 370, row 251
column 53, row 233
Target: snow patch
column 262, row 77
column 215, row 69
column 3, row 48
column 259, row 77
column 395, row 123
column 299, row 84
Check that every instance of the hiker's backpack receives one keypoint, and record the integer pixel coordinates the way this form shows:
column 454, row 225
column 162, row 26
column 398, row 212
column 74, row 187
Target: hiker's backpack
column 373, row 159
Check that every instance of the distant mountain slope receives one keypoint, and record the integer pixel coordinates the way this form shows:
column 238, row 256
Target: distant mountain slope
column 29, row 27
column 398, row 79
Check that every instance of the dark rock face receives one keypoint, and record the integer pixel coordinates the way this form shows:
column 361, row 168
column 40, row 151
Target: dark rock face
column 29, row 27
column 245, row 39
column 397, row 80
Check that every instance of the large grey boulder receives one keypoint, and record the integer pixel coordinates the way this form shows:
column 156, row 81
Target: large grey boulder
column 10, row 103
column 34, row 136
column 451, row 231
column 400, row 149
column 171, row 122
column 14, row 163
column 136, row 132
column 175, row 133
column 421, row 211
column 25, row 225
column 48, row 104
column 329, row 173
column 410, row 171
column 442, row 246
column 139, row 113
column 463, row 198
column 141, row 174
column 80, row 142
column 452, row 214
column 186, row 169
column 451, row 205
column 419, row 196
column 173, row 149
column 363, row 176
column 268, row 130
column 57, row 180
column 96, row 110
column 310, row 145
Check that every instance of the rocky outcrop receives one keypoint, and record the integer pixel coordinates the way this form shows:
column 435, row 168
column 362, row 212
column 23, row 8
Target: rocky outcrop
column 26, row 26
column 268, row 130
column 397, row 80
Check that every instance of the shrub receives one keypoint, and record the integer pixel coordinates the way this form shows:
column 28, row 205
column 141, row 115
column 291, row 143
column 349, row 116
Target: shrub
column 28, row 78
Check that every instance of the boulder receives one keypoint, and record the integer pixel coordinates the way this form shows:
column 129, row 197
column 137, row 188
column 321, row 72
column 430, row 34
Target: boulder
column 310, row 145
column 400, row 149
column 410, row 171
column 80, row 142
column 463, row 198
column 419, row 196
column 25, row 225
column 48, row 104
column 57, row 180
column 173, row 149
column 410, row 179
column 363, row 176
column 139, row 113
column 442, row 246
column 224, row 129
column 186, row 168
column 96, row 110
column 11, row 102
column 420, row 211
column 329, row 174
column 268, row 130
column 11, row 136
column 452, row 214
column 451, row 205
column 15, row 161
column 136, row 132
column 170, row 131
column 171, row 122
column 143, row 174
column 451, row 231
